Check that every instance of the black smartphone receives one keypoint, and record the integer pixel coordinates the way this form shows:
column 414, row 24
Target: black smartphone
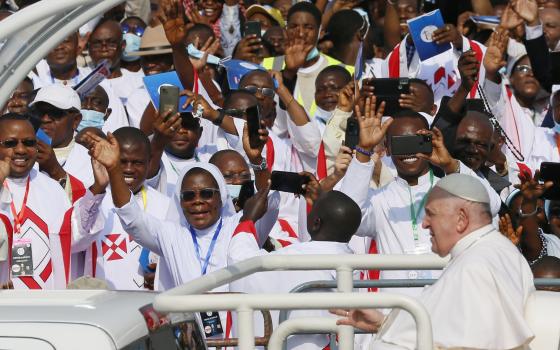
column 286, row 181
column 247, row 191
column 168, row 99
column 352, row 136
column 390, row 90
column 252, row 27
column 253, row 126
column 411, row 144
column 550, row 171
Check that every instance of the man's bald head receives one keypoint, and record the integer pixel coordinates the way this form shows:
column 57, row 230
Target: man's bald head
column 232, row 165
column 131, row 136
column 334, row 217
column 547, row 267
column 473, row 140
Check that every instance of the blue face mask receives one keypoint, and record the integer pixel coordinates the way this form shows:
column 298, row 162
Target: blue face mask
column 556, row 127
column 196, row 53
column 91, row 119
column 233, row 190
column 313, row 54
column 132, row 44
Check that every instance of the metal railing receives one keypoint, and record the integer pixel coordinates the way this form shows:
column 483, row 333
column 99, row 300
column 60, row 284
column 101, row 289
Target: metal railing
column 34, row 31
column 174, row 299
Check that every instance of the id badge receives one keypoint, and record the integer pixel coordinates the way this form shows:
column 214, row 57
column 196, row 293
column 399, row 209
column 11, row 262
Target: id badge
column 211, row 324
column 419, row 249
column 22, row 258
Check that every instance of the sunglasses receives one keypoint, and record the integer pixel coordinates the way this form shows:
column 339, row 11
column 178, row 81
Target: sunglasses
column 524, row 69
column 266, row 92
column 12, row 143
column 204, row 194
column 139, row 31
column 53, row 113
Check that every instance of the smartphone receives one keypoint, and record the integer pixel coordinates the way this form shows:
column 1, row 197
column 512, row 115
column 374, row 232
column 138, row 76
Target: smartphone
column 43, row 137
column 247, row 191
column 352, row 135
column 411, row 144
column 252, row 27
column 253, row 126
column 286, row 181
column 168, row 99
column 551, row 172
column 390, row 90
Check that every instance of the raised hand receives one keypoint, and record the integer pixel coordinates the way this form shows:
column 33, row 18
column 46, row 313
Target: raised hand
column 506, row 228
column 412, row 100
column 195, row 17
column 249, row 49
column 494, row 57
column 462, row 19
column 106, row 152
column 100, row 176
column 371, row 129
column 256, row 206
column 530, row 188
column 166, row 125
column 342, row 161
column 296, row 52
column 197, row 100
column 47, row 161
column 171, row 16
column 448, row 34
column 468, row 68
column 346, row 98
column 528, row 10
column 510, row 19
column 255, row 154
column 440, row 156
column 312, row 188
column 210, row 47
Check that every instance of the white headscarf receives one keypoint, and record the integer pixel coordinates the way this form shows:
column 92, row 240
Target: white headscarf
column 227, row 209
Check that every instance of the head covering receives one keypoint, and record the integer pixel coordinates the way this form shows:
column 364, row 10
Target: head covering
column 271, row 12
column 553, row 91
column 464, row 186
column 60, row 96
column 154, row 42
column 515, row 53
column 228, row 208
column 511, row 196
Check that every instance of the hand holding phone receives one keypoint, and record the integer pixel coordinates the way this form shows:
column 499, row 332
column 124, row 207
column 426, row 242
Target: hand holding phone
column 352, row 135
column 285, row 181
column 253, row 126
column 252, row 28
column 389, row 90
column 550, row 171
column 168, row 99
column 402, row 145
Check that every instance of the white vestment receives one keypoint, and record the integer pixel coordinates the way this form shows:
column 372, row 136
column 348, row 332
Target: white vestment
column 478, row 302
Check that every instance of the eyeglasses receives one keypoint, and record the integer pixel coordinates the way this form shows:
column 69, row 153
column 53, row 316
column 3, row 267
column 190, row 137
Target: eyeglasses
column 98, row 44
column 204, row 194
column 524, row 69
column 12, row 143
column 53, row 113
column 139, row 31
column 243, row 177
column 266, row 92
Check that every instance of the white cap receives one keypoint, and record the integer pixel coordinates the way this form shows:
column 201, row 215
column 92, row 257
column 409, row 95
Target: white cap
column 464, row 186
column 60, row 96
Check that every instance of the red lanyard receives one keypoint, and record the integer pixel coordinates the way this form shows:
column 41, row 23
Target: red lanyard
column 18, row 218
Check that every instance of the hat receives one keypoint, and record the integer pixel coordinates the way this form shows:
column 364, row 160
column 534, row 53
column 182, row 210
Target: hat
column 464, row 186
column 266, row 10
column 154, row 42
column 515, row 52
column 60, row 96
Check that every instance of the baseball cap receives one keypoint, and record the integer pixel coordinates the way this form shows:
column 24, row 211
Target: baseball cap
column 60, row 96
column 271, row 12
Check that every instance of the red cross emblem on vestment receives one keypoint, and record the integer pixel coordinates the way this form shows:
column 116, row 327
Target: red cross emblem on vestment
column 114, row 247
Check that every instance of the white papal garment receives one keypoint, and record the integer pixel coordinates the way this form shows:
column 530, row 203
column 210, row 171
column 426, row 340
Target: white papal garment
column 386, row 215
column 244, row 246
column 111, row 254
column 478, row 302
column 46, row 223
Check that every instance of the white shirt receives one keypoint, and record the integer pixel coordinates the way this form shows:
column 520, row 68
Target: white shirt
column 478, row 302
column 386, row 215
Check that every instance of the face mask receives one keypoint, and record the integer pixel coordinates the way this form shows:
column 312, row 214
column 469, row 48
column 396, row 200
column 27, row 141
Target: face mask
column 132, row 44
column 196, row 53
column 233, row 190
column 91, row 119
column 556, row 127
column 323, row 114
column 313, row 54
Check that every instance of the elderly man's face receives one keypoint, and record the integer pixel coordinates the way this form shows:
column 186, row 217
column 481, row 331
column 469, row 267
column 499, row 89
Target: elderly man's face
column 441, row 219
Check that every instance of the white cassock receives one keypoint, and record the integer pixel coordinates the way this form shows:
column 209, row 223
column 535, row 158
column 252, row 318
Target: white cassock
column 387, row 217
column 244, row 245
column 111, row 254
column 170, row 167
column 45, row 223
column 477, row 303
column 118, row 117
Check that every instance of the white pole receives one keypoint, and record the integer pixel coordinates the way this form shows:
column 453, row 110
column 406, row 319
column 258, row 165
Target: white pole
column 245, row 328
column 344, row 277
column 300, row 325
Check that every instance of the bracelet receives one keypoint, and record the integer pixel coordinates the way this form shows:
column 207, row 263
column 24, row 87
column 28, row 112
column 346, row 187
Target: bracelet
column 523, row 215
column 505, row 171
column 218, row 121
column 363, row 151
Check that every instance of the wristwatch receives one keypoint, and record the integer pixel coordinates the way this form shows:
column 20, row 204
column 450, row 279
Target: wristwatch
column 218, row 121
column 260, row 167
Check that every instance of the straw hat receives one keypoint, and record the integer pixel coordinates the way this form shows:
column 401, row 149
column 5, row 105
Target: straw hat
column 269, row 11
column 154, row 42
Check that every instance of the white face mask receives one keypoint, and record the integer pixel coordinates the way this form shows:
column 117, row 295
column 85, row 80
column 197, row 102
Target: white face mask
column 133, row 42
column 233, row 190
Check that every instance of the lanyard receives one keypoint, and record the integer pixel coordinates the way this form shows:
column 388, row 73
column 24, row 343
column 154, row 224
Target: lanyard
column 18, row 218
column 210, row 249
column 414, row 213
column 144, row 197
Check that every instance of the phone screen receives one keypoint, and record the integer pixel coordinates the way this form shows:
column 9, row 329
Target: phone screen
column 252, row 27
column 253, row 126
column 352, row 135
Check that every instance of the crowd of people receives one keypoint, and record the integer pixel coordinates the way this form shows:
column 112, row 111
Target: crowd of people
column 104, row 183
